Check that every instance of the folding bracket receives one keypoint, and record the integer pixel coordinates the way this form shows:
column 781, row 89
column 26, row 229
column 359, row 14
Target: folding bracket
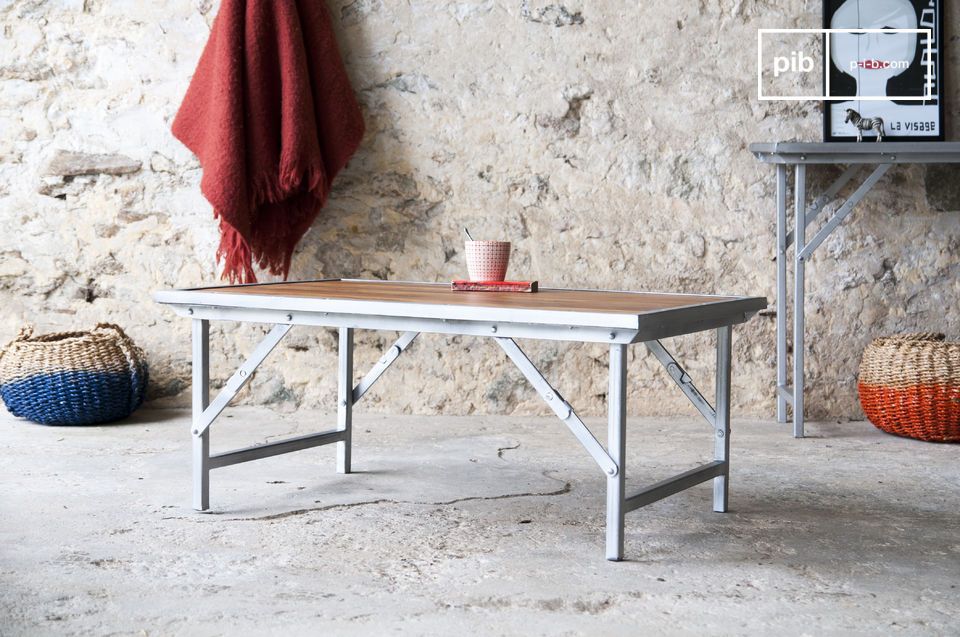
column 843, row 211
column 240, row 378
column 560, row 407
column 828, row 195
column 381, row 365
column 683, row 381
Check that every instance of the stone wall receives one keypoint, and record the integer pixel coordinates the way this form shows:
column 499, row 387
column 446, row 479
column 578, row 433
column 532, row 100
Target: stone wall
column 607, row 139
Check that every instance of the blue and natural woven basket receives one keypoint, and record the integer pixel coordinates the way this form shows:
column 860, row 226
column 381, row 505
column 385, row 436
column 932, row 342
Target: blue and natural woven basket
column 73, row 378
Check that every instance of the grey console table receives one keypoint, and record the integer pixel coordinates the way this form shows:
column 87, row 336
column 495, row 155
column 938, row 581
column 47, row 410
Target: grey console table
column 880, row 156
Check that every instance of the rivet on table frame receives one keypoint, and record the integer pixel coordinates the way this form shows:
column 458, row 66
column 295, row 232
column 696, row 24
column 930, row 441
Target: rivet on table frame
column 190, row 311
column 613, row 335
column 493, row 328
column 289, row 317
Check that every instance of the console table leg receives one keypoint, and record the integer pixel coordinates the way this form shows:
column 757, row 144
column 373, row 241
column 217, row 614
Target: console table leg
column 799, row 235
column 616, row 448
column 781, row 292
column 345, row 399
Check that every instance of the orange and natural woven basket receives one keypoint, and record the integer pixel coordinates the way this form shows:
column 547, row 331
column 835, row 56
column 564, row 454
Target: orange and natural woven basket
column 910, row 386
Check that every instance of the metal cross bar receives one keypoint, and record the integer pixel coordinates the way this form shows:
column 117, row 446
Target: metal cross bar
column 785, row 393
column 239, row 378
column 256, row 452
column 381, row 365
column 828, row 195
column 668, row 487
column 560, row 407
column 683, row 381
column 842, row 212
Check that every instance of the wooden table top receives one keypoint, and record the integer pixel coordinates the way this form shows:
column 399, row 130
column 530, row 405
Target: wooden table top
column 440, row 294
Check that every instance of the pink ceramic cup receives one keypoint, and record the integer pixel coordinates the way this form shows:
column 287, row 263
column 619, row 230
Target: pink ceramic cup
column 487, row 260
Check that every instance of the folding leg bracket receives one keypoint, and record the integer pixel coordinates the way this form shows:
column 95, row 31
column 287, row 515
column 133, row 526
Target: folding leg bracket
column 260, row 353
column 381, row 365
column 560, row 407
column 239, row 378
column 683, row 381
column 815, row 208
column 843, row 211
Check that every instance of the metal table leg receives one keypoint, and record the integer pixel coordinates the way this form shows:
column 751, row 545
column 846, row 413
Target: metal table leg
column 345, row 399
column 722, row 419
column 781, row 292
column 201, row 398
column 205, row 411
column 803, row 250
column 799, row 234
column 616, row 448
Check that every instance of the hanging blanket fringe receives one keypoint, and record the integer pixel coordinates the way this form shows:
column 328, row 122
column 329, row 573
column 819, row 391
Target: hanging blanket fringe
column 272, row 117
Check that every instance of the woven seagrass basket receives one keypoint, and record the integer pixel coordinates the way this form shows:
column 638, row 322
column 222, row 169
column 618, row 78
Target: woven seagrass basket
column 73, row 378
column 910, row 386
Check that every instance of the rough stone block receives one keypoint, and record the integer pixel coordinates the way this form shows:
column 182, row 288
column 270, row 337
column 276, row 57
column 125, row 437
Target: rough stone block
column 943, row 187
column 67, row 163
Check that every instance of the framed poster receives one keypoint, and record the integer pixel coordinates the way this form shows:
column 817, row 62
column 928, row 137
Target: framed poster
column 871, row 64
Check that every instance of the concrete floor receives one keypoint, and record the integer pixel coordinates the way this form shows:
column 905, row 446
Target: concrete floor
column 461, row 525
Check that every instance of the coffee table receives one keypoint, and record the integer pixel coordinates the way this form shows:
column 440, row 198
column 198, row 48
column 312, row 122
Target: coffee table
column 618, row 319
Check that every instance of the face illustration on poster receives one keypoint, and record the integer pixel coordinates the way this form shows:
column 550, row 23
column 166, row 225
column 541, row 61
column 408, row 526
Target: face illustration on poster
column 881, row 64
column 863, row 56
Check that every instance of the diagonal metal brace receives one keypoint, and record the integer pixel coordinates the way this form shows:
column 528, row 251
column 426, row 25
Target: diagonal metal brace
column 560, row 407
column 236, row 382
column 843, row 211
column 828, row 195
column 683, row 381
column 381, row 365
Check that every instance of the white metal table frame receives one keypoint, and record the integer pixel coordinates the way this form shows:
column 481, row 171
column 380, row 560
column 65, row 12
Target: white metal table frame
column 881, row 156
column 501, row 324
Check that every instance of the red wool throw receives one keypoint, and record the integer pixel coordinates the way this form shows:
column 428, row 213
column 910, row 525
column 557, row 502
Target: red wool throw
column 272, row 117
